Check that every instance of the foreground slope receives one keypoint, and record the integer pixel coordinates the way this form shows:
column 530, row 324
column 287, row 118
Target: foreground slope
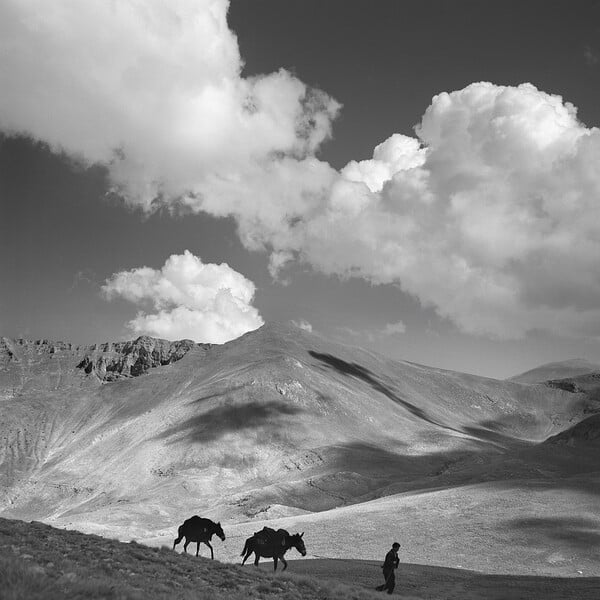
column 278, row 423
column 38, row 562
column 41, row 562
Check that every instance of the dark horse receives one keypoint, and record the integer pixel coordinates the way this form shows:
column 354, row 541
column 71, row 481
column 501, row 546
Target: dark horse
column 196, row 529
column 269, row 543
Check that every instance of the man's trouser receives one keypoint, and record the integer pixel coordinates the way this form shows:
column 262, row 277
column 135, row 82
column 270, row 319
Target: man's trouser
column 390, row 580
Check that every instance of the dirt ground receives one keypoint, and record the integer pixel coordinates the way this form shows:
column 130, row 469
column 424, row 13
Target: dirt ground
column 431, row 582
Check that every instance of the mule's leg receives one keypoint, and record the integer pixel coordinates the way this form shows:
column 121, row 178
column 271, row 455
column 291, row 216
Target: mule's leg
column 185, row 545
column 275, row 563
column 246, row 557
column 212, row 554
column 284, row 563
column 197, row 548
column 256, row 559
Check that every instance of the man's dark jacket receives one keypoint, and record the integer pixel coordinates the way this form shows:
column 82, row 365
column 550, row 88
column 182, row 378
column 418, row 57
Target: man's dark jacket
column 391, row 561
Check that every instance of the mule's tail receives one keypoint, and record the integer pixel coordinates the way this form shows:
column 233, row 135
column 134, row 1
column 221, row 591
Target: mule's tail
column 179, row 536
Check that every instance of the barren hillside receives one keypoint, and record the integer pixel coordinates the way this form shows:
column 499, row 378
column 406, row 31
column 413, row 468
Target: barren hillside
column 128, row 440
column 557, row 370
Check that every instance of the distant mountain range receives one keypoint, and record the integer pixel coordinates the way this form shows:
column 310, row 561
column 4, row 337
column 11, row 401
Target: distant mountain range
column 282, row 425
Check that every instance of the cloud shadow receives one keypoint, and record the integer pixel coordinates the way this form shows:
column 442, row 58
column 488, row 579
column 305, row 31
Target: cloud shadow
column 221, row 420
column 576, row 531
column 357, row 371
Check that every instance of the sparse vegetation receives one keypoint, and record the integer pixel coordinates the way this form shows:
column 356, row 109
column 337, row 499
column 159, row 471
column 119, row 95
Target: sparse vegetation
column 38, row 562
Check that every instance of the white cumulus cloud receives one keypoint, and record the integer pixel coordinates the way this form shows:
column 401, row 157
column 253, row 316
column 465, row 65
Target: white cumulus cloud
column 188, row 299
column 494, row 221
column 394, row 328
column 153, row 90
column 303, row 324
column 397, row 153
column 490, row 214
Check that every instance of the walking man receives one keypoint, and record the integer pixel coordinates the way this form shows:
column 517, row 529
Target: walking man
column 390, row 564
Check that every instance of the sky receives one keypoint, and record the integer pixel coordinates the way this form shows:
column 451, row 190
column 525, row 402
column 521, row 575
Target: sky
column 417, row 178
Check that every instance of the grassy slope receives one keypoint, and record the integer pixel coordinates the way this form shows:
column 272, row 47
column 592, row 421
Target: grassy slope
column 432, row 583
column 38, row 562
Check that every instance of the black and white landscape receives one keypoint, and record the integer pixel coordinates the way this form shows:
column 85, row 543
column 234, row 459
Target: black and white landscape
column 283, row 427
column 330, row 266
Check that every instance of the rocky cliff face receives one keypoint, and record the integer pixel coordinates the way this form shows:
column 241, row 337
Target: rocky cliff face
column 130, row 359
column 27, row 364
column 13, row 350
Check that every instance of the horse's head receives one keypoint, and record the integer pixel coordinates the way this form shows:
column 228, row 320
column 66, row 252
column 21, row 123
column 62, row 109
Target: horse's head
column 297, row 542
column 219, row 531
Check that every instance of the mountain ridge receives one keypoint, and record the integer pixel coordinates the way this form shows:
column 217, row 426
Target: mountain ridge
column 277, row 424
column 557, row 370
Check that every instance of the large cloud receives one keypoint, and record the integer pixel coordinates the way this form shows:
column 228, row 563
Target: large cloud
column 496, row 224
column 204, row 302
column 489, row 215
column 154, row 91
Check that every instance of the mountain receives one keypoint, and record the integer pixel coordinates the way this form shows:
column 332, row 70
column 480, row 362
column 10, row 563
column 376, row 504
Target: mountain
column 557, row 370
column 576, row 375
column 283, row 426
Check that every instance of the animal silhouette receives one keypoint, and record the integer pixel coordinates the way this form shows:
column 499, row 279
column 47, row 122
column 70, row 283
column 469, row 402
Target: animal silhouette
column 269, row 543
column 197, row 529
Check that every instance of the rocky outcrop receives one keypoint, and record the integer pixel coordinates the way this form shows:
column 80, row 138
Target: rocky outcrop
column 111, row 361
column 588, row 384
column 587, row 430
column 107, row 362
column 568, row 385
column 7, row 350
column 10, row 349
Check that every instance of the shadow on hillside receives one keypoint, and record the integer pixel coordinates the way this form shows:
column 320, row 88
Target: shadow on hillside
column 424, row 472
column 392, row 472
column 493, row 432
column 431, row 581
column 217, row 422
column 576, row 531
column 374, row 461
column 219, row 394
column 359, row 372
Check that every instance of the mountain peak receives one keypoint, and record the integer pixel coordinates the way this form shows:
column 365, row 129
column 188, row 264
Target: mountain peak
column 572, row 367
